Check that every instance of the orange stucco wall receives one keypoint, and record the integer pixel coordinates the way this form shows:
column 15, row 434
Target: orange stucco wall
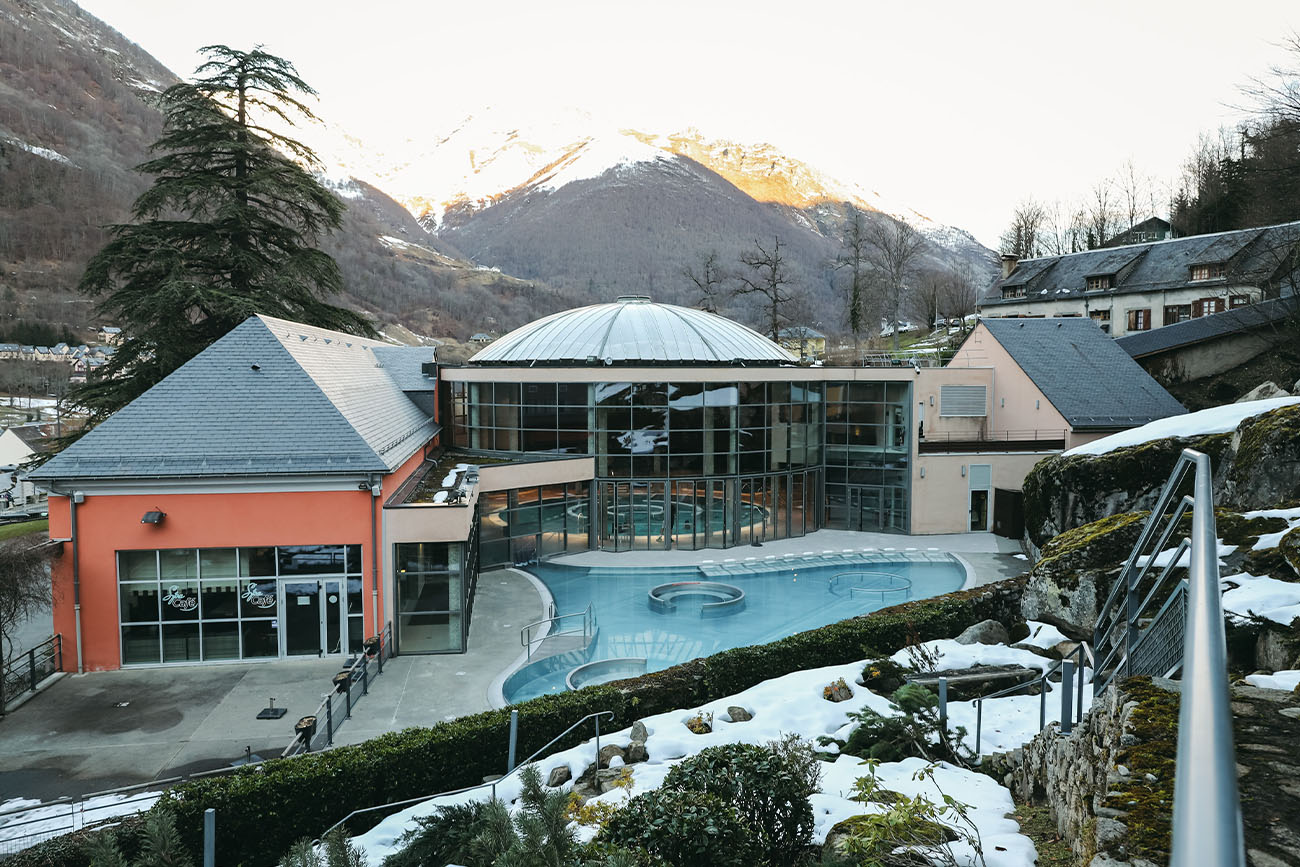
column 107, row 523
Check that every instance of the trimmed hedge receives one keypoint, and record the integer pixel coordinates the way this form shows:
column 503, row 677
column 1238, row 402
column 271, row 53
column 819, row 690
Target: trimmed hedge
column 266, row 808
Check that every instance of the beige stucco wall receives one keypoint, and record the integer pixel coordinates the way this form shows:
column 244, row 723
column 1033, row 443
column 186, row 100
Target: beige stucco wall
column 941, row 500
column 1117, row 304
column 1018, row 404
column 501, row 477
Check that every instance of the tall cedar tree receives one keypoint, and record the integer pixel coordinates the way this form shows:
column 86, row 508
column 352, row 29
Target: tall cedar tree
column 853, row 257
column 227, row 230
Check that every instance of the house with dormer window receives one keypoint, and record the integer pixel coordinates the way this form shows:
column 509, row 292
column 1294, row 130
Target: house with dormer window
column 1138, row 287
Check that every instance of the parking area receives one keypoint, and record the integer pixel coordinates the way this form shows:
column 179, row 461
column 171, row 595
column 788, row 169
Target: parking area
column 107, row 729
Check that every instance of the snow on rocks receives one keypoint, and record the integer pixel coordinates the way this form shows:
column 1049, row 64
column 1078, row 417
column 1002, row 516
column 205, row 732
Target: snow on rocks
column 1218, row 419
column 1261, row 596
column 1043, row 635
column 1285, row 680
column 950, row 654
column 792, row 703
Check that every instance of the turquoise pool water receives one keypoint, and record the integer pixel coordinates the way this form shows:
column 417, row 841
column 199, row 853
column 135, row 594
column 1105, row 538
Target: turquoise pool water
column 782, row 597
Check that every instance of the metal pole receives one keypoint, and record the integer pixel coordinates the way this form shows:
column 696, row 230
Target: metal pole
column 943, row 703
column 1078, row 709
column 1207, row 808
column 365, row 677
column 209, row 837
column 514, row 740
column 347, row 695
column 598, row 742
column 1067, row 693
column 979, row 722
column 1042, row 703
column 329, row 724
column 31, row 667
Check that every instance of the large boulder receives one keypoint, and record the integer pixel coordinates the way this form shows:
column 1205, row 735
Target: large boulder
column 1069, row 583
column 985, row 632
column 1263, row 391
column 1067, row 491
column 1262, row 467
column 1257, row 466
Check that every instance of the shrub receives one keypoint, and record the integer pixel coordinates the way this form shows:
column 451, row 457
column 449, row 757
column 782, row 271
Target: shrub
column 337, row 852
column 911, row 831
column 442, row 838
column 768, row 786
column 913, row 731
column 160, row 846
column 685, row 829
column 882, row 675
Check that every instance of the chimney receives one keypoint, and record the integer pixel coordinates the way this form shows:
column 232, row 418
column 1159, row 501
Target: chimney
column 1009, row 262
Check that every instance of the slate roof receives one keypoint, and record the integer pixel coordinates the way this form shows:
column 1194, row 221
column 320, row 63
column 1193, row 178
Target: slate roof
column 36, row 437
column 1252, row 316
column 1252, row 257
column 403, row 365
column 1083, row 373
column 800, row 332
column 271, row 397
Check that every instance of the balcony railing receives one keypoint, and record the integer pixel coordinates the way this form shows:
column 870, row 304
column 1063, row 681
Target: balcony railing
column 999, row 440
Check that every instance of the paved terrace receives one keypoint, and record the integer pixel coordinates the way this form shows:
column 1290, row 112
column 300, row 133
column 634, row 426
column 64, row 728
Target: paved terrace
column 76, row 737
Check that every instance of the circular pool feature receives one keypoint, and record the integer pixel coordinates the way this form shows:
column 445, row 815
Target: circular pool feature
column 605, row 671
column 874, row 584
column 721, row 598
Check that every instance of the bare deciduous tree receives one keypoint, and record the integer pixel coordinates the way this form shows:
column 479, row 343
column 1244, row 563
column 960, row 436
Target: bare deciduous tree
column 893, row 247
column 853, row 258
column 769, row 277
column 25, row 590
column 708, row 281
column 961, row 294
column 1024, row 238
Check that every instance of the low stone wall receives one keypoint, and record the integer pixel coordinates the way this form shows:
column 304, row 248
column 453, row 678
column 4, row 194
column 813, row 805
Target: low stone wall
column 1101, row 805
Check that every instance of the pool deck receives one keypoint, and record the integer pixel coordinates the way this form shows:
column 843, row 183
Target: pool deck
column 990, row 557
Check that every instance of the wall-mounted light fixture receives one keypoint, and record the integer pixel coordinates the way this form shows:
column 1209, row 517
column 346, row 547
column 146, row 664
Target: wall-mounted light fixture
column 1004, row 402
column 1036, row 404
column 154, row 517
column 923, row 472
column 963, row 471
column 931, row 400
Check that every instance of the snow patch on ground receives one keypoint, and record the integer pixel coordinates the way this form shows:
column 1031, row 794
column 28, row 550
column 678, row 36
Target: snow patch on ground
column 794, row 703
column 1043, row 635
column 25, row 820
column 47, row 153
column 1218, row 419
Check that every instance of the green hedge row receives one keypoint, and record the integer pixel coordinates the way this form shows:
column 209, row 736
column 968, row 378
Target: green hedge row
column 261, row 811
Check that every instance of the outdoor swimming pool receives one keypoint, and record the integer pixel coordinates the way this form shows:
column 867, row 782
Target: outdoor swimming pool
column 779, row 597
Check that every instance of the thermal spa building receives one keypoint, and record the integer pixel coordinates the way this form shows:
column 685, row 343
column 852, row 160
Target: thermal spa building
column 291, row 490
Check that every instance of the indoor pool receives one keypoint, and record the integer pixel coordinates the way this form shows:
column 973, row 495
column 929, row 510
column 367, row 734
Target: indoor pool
column 668, row 615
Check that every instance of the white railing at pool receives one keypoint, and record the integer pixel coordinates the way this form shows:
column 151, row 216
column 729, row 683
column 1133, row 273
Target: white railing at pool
column 587, row 628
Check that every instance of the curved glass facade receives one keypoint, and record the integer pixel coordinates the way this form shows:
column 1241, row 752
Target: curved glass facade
column 706, row 464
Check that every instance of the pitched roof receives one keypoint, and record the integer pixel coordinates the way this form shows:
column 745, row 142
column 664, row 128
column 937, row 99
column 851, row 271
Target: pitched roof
column 404, row 366
column 1077, row 366
column 36, row 437
column 800, row 332
column 1252, row 257
column 270, row 397
column 1248, row 318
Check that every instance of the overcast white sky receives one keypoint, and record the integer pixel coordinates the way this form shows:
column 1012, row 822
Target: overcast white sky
column 958, row 109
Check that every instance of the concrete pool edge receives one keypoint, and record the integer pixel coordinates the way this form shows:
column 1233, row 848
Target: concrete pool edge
column 972, row 580
column 496, row 694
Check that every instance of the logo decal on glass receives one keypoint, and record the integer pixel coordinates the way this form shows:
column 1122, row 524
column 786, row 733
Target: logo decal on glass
column 179, row 600
column 255, row 597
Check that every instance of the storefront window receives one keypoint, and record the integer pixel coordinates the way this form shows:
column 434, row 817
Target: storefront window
column 191, row 605
column 432, row 591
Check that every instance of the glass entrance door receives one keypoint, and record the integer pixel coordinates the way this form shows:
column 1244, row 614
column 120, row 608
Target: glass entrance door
column 313, row 618
column 302, row 618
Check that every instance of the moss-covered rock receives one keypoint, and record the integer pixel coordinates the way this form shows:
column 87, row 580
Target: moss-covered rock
column 1064, row 492
column 1289, row 550
column 1264, row 469
column 1069, row 583
column 1146, row 794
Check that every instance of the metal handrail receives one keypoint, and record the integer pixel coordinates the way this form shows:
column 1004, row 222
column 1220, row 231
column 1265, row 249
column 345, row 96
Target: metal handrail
column 588, row 615
column 1207, row 808
column 31, row 668
column 358, row 670
column 994, row 436
column 1068, row 714
column 492, row 784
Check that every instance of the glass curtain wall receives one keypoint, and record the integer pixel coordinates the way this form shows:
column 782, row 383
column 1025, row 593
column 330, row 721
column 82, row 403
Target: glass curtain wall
column 435, row 589
column 196, row 605
column 868, row 444
column 696, row 465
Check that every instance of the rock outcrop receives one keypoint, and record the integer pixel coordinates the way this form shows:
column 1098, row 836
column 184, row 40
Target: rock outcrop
column 1257, row 466
column 1263, row 391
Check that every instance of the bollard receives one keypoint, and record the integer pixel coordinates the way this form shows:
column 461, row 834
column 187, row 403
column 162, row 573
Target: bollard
column 943, row 703
column 514, row 740
column 1067, row 693
column 329, row 723
column 209, row 837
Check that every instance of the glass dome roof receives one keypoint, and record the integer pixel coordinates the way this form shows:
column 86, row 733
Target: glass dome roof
column 633, row 330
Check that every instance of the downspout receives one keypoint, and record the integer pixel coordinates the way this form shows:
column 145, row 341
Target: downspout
column 374, row 553
column 73, row 497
